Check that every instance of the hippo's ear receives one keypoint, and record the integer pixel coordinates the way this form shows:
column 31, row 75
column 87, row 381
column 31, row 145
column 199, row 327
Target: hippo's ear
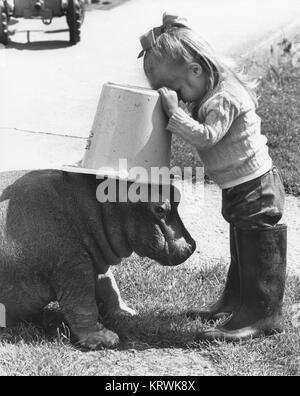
column 171, row 193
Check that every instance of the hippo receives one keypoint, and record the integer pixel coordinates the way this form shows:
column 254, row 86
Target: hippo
column 58, row 242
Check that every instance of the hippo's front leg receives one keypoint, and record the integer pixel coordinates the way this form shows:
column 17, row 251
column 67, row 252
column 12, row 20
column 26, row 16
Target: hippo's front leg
column 75, row 288
column 108, row 296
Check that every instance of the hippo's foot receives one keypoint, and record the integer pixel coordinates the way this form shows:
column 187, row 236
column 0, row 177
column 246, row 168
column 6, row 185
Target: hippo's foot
column 102, row 338
column 123, row 309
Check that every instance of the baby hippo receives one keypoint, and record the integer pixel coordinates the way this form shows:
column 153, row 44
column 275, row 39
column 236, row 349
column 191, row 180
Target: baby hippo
column 57, row 243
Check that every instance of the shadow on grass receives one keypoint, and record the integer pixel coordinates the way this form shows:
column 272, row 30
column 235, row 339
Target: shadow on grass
column 148, row 330
column 154, row 330
column 162, row 321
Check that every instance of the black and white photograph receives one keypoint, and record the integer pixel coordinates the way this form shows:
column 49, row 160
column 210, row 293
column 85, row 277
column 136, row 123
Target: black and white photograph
column 149, row 191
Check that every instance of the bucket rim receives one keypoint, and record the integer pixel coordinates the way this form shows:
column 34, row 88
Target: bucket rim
column 132, row 88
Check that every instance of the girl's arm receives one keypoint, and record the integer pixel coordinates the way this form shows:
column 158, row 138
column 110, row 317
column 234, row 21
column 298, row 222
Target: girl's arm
column 219, row 116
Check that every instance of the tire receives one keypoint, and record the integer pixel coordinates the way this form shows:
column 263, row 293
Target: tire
column 3, row 26
column 74, row 20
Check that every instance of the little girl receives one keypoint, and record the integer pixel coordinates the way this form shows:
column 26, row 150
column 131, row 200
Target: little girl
column 225, row 129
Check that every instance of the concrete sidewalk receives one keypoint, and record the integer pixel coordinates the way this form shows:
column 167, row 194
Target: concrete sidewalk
column 26, row 150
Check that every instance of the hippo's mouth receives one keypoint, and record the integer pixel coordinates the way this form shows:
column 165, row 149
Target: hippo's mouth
column 172, row 257
column 177, row 258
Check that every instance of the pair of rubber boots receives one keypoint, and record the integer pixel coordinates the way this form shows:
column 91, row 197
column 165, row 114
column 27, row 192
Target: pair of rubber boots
column 254, row 290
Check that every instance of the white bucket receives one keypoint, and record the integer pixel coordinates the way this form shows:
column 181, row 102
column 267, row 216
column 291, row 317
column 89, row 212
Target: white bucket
column 129, row 131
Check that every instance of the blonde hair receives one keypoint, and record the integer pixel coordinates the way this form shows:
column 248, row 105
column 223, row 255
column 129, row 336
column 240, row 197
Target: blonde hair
column 179, row 45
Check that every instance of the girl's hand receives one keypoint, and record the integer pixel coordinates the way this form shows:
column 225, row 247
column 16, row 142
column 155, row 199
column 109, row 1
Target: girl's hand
column 169, row 101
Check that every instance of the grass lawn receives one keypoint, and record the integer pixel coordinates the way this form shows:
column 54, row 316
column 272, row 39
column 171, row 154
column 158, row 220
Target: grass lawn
column 161, row 296
column 280, row 113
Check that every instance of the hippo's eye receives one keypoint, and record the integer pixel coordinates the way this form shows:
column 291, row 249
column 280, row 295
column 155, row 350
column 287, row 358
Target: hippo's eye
column 160, row 211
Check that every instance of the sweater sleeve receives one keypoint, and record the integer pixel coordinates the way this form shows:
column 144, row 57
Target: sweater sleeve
column 219, row 116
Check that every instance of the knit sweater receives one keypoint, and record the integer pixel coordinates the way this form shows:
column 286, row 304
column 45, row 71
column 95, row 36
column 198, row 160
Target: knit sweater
column 227, row 136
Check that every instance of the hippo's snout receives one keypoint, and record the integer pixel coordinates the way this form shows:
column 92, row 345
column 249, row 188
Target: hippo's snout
column 178, row 254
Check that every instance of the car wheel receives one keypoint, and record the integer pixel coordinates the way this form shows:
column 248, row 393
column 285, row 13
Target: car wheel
column 74, row 20
column 3, row 26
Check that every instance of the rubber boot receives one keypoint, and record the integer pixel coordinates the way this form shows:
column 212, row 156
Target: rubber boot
column 230, row 298
column 262, row 260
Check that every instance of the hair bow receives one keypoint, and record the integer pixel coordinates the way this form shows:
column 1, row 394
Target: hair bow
column 148, row 40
